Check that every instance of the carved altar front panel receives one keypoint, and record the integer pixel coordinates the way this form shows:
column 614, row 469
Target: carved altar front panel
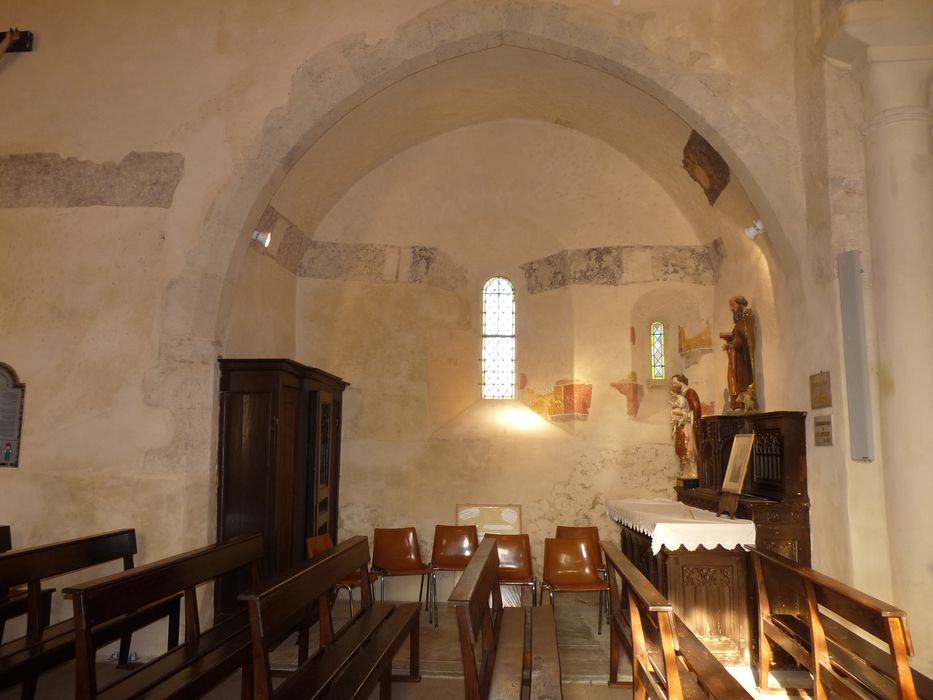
column 706, row 587
column 708, row 591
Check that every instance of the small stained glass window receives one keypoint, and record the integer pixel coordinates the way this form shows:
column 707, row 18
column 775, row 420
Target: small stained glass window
column 498, row 339
column 657, row 350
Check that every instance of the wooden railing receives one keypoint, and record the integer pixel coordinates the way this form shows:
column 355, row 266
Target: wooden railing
column 668, row 661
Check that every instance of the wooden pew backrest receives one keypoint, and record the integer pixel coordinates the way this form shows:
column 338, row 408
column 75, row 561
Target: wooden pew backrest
column 283, row 602
column 20, row 566
column 105, row 598
column 474, row 586
column 831, row 643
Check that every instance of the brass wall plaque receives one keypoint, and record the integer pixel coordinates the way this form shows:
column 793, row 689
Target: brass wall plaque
column 821, row 395
column 823, row 431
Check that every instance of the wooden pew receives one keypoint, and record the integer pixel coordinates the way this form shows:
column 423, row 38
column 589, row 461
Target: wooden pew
column 46, row 646
column 15, row 603
column 350, row 662
column 841, row 661
column 518, row 645
column 204, row 659
column 668, row 661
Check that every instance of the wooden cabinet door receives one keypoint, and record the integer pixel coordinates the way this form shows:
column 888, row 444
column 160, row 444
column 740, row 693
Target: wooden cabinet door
column 324, row 462
column 256, row 468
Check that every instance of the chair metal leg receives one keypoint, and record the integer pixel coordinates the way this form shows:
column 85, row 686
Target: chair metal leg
column 599, row 627
column 427, row 605
column 382, row 590
column 349, row 597
column 551, row 596
column 434, row 599
column 534, row 593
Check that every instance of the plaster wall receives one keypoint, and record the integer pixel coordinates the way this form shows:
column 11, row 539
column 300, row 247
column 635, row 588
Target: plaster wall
column 264, row 322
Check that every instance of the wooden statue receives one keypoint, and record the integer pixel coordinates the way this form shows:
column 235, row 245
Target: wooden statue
column 685, row 419
column 740, row 348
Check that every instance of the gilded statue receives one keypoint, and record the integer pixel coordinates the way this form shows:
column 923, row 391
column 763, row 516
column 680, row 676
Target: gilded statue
column 740, row 348
column 685, row 420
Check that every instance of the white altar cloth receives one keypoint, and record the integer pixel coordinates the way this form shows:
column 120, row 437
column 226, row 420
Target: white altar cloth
column 672, row 524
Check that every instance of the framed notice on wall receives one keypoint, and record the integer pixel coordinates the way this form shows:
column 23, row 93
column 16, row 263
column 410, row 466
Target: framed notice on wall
column 505, row 519
column 11, row 416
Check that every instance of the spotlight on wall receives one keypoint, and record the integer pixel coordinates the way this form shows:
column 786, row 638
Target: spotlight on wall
column 264, row 237
column 756, row 229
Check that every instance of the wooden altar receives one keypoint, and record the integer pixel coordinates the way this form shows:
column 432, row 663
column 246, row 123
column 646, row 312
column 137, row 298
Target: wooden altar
column 709, row 587
column 706, row 584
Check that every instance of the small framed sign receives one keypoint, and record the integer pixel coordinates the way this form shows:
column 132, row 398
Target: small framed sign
column 503, row 519
column 821, row 395
column 823, row 431
column 734, row 479
column 738, row 463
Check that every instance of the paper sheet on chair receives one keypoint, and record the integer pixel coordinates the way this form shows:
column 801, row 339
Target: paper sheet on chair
column 671, row 524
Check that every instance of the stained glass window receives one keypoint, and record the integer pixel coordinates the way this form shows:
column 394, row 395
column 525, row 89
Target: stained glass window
column 498, row 339
column 657, row 350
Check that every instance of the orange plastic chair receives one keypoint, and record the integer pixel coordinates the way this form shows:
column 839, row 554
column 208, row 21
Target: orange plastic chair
column 318, row 544
column 565, row 532
column 453, row 548
column 570, row 566
column 591, row 533
column 396, row 552
column 515, row 567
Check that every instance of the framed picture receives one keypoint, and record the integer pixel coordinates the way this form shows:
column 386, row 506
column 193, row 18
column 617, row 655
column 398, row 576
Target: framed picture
column 505, row 519
column 738, row 463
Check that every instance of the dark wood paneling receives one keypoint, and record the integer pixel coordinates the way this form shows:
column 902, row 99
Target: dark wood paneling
column 775, row 492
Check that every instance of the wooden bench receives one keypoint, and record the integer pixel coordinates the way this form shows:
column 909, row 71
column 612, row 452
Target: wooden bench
column 46, row 646
column 841, row 660
column 14, row 603
column 518, row 645
column 668, row 661
column 203, row 660
column 348, row 663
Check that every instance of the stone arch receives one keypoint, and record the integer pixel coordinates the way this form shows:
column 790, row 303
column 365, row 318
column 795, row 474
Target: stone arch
column 342, row 76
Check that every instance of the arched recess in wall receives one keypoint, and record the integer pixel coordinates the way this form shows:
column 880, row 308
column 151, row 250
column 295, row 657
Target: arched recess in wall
column 192, row 332
column 675, row 306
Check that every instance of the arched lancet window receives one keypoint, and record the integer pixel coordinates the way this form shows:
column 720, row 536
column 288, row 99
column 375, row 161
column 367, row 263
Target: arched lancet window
column 498, row 339
column 657, row 351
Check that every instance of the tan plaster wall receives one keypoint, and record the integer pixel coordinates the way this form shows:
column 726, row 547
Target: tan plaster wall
column 263, row 323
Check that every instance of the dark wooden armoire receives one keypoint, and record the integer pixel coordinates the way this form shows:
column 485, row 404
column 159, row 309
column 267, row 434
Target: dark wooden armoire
column 278, row 461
